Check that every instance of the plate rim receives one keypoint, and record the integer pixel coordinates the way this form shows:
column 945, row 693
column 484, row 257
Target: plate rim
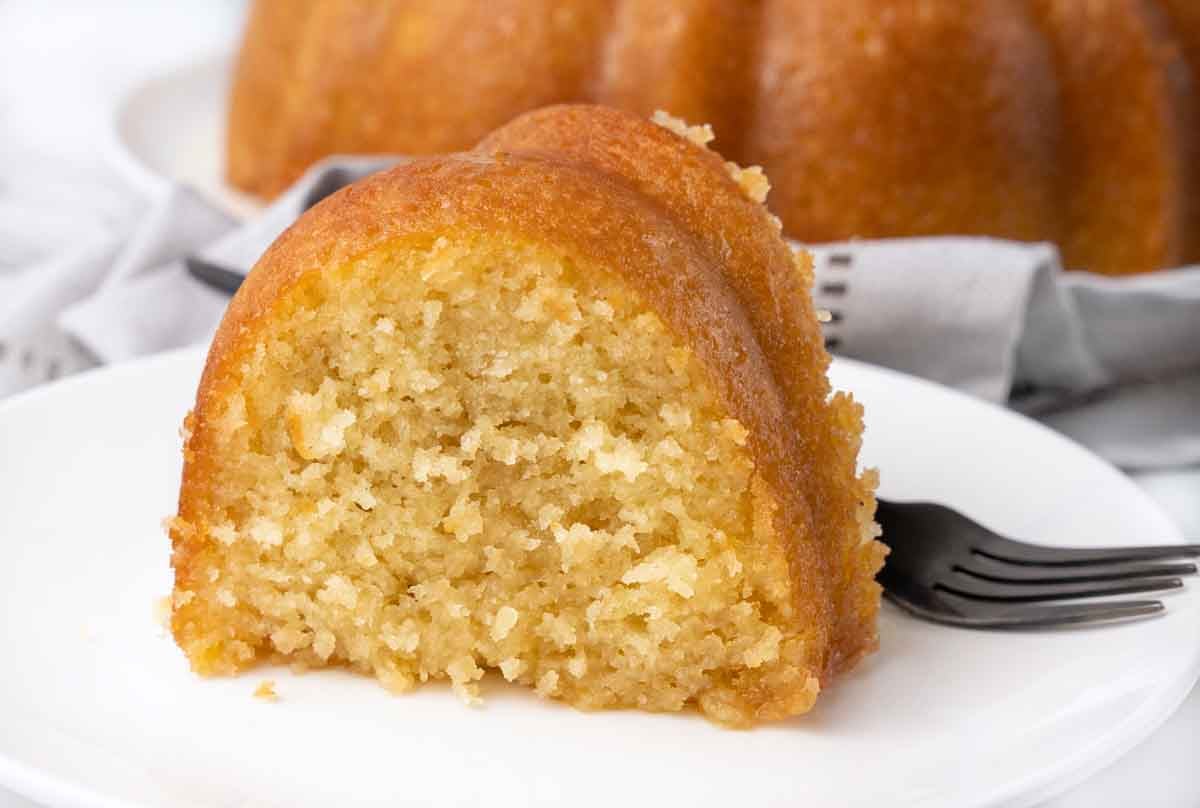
column 117, row 151
column 1056, row 777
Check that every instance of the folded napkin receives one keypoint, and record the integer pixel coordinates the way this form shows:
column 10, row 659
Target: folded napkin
column 1112, row 362
column 1115, row 363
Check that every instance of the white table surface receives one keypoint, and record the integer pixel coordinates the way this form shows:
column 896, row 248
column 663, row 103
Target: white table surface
column 62, row 63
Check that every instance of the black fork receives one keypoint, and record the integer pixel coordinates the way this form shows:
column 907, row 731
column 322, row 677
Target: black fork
column 228, row 279
column 947, row 568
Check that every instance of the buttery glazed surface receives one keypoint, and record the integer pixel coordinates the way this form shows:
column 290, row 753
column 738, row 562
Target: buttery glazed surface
column 1058, row 120
column 668, row 220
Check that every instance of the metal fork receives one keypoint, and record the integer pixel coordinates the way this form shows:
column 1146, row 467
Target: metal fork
column 949, row 569
column 227, row 279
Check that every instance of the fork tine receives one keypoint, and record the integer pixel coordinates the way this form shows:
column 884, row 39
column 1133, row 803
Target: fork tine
column 966, row 586
column 950, row 569
column 991, row 569
column 1015, row 552
column 219, row 277
column 979, row 615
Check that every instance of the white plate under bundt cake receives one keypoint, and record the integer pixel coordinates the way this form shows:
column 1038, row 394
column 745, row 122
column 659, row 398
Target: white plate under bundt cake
column 99, row 708
column 554, row 408
column 1072, row 121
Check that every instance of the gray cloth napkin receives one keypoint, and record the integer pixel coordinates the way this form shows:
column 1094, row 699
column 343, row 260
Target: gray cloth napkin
column 1112, row 362
column 1115, row 363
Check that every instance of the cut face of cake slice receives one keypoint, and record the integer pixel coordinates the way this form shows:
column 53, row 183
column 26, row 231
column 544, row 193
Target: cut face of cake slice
column 517, row 411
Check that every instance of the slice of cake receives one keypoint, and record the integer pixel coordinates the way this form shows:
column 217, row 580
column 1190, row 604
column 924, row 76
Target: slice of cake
column 554, row 408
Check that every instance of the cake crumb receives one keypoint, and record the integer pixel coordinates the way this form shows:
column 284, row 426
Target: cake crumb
column 405, row 638
column 547, row 683
column 185, row 429
column 287, row 640
column 324, row 644
column 701, row 134
column 677, row 570
column 733, row 429
column 316, row 424
column 464, row 519
column 364, row 555
column 675, row 416
column 751, row 180
column 765, row 650
column 464, row 674
column 558, row 630
column 506, row 618
column 162, row 612
column 511, row 668
column 431, row 310
column 340, row 591
column 266, row 691
column 266, row 532
column 602, row 308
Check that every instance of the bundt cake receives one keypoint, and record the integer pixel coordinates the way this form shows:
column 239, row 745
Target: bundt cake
column 1061, row 120
column 555, row 408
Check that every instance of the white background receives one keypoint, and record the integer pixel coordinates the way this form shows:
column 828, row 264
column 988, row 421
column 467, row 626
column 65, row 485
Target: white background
column 63, row 64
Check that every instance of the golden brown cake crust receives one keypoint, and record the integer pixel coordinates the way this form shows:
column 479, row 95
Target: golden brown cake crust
column 669, row 219
column 1181, row 22
column 917, row 119
column 695, row 59
column 1125, row 102
column 419, row 77
column 737, row 236
column 1070, row 121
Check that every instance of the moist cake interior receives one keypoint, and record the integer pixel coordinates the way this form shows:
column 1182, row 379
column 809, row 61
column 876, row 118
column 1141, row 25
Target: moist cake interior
column 464, row 455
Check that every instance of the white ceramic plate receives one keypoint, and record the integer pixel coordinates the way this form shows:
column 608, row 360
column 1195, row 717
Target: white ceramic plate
column 171, row 128
column 98, row 708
